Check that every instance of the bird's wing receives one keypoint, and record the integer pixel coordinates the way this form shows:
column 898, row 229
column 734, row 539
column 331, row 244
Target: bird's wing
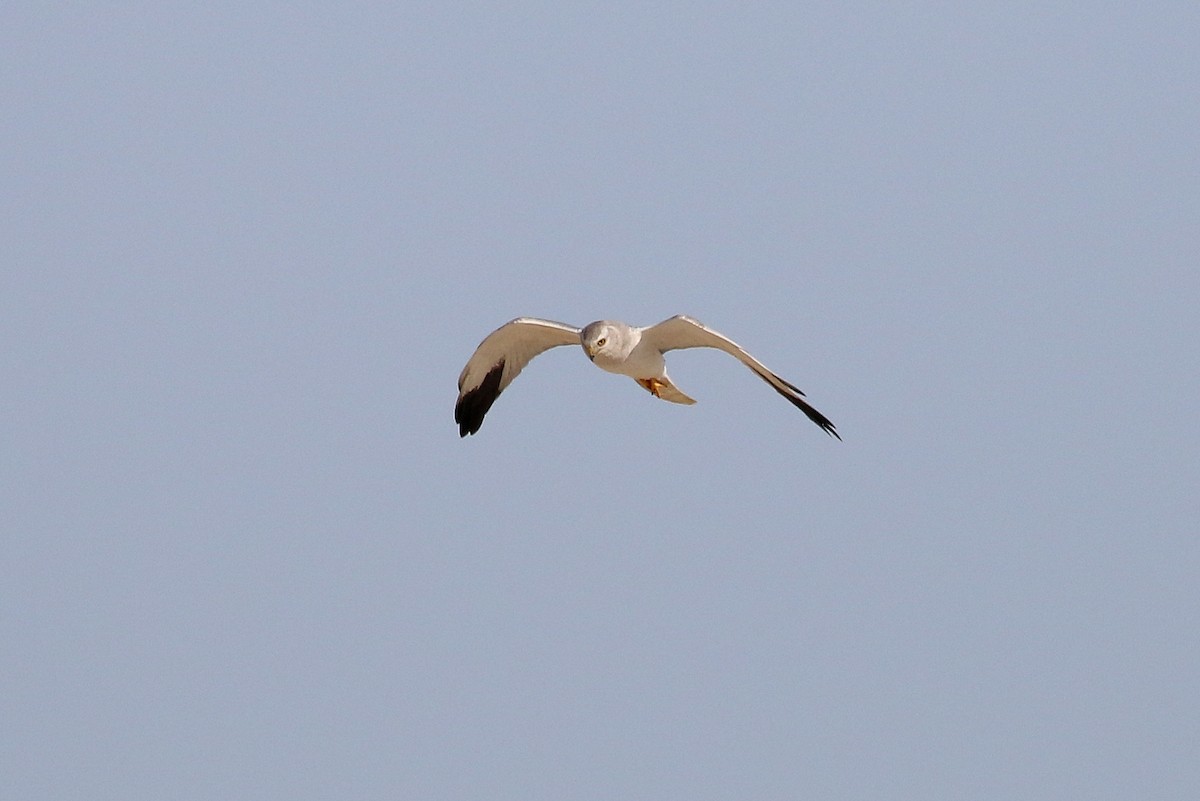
column 682, row 331
column 498, row 360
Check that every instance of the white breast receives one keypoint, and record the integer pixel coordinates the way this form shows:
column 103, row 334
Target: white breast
column 642, row 362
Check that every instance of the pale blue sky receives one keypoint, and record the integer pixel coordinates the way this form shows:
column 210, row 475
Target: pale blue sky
column 245, row 250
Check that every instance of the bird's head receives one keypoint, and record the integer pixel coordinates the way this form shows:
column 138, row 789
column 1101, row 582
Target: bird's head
column 597, row 338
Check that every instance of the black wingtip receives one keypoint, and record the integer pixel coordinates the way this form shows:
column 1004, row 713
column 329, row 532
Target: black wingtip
column 798, row 401
column 472, row 406
column 824, row 422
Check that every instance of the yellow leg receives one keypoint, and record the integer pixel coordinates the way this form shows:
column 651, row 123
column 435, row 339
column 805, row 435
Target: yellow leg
column 652, row 385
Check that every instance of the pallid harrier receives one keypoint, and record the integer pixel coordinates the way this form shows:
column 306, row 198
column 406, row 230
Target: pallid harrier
column 612, row 346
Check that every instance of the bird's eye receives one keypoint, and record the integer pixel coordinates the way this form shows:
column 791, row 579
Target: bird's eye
column 600, row 342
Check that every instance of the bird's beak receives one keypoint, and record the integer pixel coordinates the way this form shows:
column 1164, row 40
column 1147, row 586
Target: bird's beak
column 590, row 351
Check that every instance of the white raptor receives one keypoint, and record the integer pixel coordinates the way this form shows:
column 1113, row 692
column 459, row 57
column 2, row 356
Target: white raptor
column 612, row 346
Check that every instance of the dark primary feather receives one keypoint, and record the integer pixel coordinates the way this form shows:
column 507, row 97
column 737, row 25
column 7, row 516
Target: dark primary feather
column 824, row 422
column 471, row 407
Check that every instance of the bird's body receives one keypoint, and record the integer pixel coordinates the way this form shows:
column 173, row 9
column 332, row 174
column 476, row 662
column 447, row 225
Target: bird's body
column 612, row 346
column 621, row 349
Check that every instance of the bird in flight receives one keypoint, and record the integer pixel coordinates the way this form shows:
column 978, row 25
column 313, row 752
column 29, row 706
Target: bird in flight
column 612, row 346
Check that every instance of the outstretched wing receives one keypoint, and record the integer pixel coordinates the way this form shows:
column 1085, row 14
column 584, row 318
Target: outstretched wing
column 682, row 331
column 498, row 360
